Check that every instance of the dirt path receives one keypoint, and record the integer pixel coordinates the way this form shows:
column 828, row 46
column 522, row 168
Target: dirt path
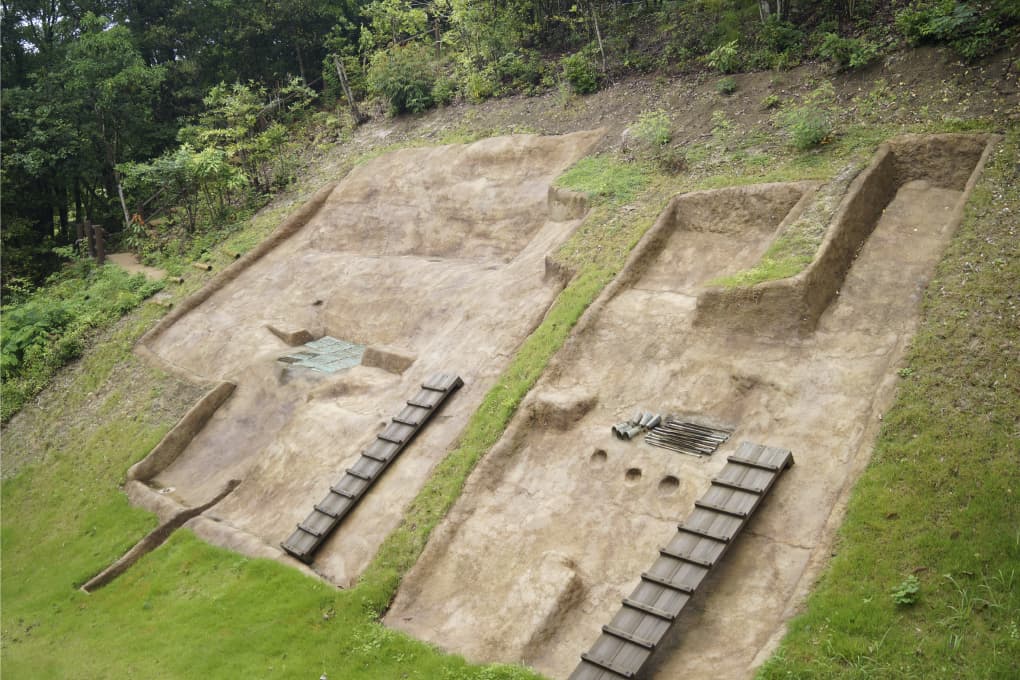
column 129, row 262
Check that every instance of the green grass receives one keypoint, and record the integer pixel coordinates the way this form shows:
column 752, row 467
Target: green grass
column 941, row 498
column 607, row 178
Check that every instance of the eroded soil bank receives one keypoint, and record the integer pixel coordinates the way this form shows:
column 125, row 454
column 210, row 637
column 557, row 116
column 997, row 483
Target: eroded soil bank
column 559, row 520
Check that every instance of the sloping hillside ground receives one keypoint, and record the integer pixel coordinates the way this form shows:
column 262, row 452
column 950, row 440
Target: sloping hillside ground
column 410, row 264
column 947, row 465
column 583, row 514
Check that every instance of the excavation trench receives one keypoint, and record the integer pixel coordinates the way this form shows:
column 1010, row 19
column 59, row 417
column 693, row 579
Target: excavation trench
column 809, row 365
column 418, row 262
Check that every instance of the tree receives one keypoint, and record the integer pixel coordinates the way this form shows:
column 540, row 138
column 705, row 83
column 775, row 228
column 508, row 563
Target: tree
column 81, row 104
column 114, row 92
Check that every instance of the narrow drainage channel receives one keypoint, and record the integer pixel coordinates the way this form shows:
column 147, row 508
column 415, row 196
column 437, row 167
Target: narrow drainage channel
column 153, row 540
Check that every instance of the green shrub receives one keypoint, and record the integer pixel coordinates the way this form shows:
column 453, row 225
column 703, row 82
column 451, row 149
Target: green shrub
column 907, row 592
column 847, row 53
column 724, row 58
column 48, row 329
column 403, row 76
column 480, row 85
column 971, row 31
column 810, row 123
column 580, row 71
column 653, row 129
column 808, row 126
column 771, row 101
column 781, row 36
column 520, row 70
column 727, row 85
column 444, row 90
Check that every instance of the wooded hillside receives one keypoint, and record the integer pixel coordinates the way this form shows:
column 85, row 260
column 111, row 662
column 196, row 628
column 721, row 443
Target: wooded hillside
column 155, row 119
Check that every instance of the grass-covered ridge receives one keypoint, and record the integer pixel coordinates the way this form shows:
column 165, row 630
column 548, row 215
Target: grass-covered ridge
column 794, row 249
column 940, row 501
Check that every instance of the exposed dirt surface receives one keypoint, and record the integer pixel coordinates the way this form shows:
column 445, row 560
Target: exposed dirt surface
column 129, row 263
column 559, row 520
column 438, row 252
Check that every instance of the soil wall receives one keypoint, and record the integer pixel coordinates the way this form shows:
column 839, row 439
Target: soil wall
column 777, row 308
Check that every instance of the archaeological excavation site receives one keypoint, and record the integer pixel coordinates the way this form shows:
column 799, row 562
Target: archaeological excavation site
column 664, row 496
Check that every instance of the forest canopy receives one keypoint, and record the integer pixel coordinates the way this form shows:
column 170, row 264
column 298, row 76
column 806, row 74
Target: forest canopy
column 174, row 112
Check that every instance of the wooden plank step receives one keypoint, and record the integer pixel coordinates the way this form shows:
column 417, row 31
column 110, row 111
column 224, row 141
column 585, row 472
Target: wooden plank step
column 737, row 486
column 309, row 530
column 360, row 475
column 720, row 508
column 725, row 507
column 703, row 533
column 342, row 492
column 686, row 558
column 608, row 665
column 442, row 382
column 624, row 635
column 329, row 512
column 649, row 609
column 753, row 463
column 666, row 583
column 325, row 511
column 371, row 456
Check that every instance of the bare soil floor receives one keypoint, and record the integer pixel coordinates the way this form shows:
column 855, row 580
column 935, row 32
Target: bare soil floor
column 559, row 520
column 438, row 252
column 129, row 263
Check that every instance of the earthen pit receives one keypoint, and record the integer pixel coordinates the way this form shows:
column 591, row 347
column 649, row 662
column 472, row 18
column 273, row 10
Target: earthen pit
column 818, row 394
column 440, row 252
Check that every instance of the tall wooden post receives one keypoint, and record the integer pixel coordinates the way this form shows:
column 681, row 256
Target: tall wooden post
column 100, row 245
column 91, row 235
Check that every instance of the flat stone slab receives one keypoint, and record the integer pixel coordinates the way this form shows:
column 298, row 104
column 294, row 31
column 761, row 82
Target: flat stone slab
column 326, row 355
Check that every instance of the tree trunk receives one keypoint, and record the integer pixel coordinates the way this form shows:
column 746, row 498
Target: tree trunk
column 123, row 206
column 91, row 235
column 301, row 63
column 598, row 35
column 65, row 224
column 341, row 73
column 79, row 211
column 100, row 238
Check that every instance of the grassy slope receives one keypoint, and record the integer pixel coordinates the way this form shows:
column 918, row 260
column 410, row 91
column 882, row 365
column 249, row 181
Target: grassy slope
column 941, row 498
column 190, row 610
